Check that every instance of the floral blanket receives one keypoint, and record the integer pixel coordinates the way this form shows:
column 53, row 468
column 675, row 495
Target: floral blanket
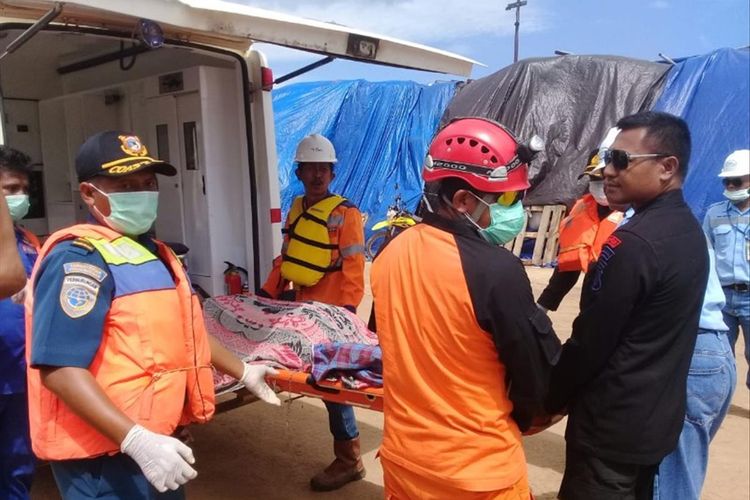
column 279, row 333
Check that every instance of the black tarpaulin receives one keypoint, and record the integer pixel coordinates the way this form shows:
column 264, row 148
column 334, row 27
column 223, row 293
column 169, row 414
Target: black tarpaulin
column 569, row 101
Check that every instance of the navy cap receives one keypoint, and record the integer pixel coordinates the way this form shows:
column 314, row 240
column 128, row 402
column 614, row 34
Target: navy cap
column 116, row 153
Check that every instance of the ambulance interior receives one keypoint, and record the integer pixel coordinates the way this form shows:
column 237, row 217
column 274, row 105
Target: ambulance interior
column 185, row 103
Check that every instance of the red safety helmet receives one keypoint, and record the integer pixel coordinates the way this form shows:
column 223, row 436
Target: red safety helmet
column 481, row 152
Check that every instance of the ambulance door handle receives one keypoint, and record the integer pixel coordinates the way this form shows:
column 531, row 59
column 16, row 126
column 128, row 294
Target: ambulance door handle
column 203, row 184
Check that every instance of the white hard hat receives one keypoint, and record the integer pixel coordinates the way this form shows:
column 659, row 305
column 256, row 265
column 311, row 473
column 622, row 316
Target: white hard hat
column 315, row 149
column 609, row 139
column 737, row 164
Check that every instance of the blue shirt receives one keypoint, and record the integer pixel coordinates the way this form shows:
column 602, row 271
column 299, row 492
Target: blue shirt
column 72, row 296
column 12, row 330
column 727, row 229
column 713, row 300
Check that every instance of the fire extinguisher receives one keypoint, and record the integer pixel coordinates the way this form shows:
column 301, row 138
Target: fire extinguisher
column 233, row 278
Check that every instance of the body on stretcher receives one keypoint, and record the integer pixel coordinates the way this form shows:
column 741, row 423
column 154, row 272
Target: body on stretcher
column 283, row 334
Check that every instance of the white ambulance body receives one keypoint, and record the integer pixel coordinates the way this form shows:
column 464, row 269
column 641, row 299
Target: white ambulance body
column 201, row 101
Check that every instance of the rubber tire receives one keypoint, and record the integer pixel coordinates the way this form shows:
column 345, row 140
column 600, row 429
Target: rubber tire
column 375, row 242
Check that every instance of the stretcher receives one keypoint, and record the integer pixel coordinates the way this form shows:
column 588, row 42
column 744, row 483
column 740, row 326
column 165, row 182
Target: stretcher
column 298, row 384
column 234, row 322
column 282, row 334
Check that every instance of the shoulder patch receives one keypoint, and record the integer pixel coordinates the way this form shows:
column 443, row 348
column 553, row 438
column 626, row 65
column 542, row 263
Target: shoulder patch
column 78, row 295
column 85, row 269
column 83, row 243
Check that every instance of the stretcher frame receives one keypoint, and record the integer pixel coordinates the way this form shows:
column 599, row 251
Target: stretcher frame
column 301, row 384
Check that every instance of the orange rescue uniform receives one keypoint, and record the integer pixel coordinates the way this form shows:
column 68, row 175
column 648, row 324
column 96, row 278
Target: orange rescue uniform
column 344, row 287
column 466, row 355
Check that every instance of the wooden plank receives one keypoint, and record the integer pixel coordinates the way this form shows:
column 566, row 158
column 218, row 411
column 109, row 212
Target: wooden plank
column 536, row 258
column 551, row 244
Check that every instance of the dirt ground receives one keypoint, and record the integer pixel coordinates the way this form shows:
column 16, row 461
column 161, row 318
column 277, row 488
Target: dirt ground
column 259, row 451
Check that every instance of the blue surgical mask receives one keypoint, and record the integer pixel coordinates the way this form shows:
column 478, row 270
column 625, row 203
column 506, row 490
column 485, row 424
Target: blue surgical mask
column 132, row 213
column 18, row 206
column 505, row 222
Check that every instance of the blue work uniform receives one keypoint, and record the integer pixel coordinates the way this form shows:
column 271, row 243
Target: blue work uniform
column 60, row 340
column 728, row 229
column 16, row 457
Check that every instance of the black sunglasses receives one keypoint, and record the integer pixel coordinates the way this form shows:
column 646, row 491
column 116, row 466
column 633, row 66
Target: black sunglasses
column 732, row 181
column 621, row 159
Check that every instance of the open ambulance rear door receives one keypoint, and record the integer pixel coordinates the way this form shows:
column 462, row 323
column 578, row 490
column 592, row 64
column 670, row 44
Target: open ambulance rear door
column 202, row 97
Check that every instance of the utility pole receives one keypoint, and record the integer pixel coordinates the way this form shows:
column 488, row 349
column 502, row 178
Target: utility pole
column 517, row 6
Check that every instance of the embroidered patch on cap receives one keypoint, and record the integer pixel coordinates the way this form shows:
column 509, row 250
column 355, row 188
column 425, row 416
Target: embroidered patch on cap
column 78, row 295
column 85, row 269
column 132, row 145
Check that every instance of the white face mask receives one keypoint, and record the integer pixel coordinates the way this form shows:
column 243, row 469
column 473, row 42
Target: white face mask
column 737, row 196
column 596, row 188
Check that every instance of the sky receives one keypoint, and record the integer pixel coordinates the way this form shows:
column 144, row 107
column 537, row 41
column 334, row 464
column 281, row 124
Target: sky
column 483, row 30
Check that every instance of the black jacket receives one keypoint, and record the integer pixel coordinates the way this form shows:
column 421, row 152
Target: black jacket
column 623, row 372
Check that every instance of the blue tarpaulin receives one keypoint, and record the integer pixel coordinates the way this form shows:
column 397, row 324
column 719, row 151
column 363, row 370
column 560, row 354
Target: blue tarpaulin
column 381, row 132
column 712, row 94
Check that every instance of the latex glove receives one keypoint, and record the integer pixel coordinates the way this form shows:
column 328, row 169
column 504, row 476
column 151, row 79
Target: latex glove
column 254, row 378
column 20, row 296
column 164, row 460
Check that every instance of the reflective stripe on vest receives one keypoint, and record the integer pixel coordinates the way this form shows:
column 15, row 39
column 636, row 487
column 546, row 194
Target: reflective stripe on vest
column 154, row 359
column 309, row 254
column 582, row 235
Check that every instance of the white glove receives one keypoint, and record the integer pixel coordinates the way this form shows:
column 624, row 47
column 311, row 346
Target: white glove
column 20, row 296
column 254, row 378
column 164, row 460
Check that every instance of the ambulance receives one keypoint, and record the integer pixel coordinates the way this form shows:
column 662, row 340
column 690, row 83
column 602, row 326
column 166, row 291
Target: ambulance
column 184, row 76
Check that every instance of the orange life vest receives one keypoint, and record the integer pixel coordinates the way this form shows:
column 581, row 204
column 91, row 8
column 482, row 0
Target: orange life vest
column 154, row 359
column 30, row 238
column 582, row 235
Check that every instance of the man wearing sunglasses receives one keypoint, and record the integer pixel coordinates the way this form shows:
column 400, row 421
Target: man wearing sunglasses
column 727, row 226
column 622, row 374
column 466, row 352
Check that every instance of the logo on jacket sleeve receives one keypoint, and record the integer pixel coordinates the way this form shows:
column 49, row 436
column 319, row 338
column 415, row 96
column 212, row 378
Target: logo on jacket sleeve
column 78, row 295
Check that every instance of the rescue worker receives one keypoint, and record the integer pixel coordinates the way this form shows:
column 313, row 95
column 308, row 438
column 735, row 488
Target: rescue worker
column 727, row 225
column 582, row 234
column 118, row 352
column 16, row 457
column 12, row 276
column 466, row 352
column 322, row 259
column 622, row 374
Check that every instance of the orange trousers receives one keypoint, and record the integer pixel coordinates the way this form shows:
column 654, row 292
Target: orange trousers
column 403, row 484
